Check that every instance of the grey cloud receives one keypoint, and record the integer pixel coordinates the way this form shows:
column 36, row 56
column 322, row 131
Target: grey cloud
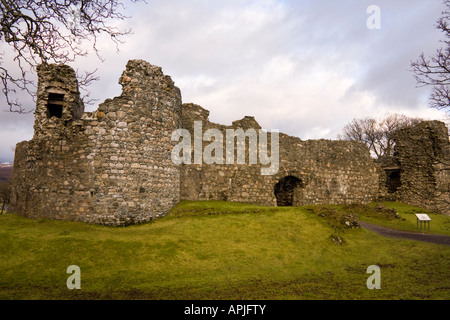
column 217, row 51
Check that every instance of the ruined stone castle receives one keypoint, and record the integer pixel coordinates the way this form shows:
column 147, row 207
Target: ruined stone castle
column 114, row 166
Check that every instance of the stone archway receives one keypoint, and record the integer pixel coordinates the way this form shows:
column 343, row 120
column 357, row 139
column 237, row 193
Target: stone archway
column 286, row 191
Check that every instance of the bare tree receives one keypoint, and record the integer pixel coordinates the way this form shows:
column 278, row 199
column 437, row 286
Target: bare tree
column 435, row 71
column 52, row 31
column 364, row 130
column 377, row 135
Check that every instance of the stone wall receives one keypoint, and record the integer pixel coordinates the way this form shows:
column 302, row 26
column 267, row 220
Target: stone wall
column 326, row 171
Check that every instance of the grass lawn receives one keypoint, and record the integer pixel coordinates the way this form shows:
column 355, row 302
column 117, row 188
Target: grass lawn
column 440, row 224
column 220, row 250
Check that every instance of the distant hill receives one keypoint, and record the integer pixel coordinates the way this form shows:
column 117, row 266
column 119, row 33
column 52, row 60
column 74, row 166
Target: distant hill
column 5, row 171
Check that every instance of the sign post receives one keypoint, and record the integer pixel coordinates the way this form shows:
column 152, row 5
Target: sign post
column 423, row 218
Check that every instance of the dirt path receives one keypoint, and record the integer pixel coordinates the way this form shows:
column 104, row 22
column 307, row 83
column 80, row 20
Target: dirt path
column 433, row 238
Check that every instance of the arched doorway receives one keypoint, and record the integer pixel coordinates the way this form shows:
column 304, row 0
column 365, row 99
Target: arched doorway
column 286, row 190
column 393, row 179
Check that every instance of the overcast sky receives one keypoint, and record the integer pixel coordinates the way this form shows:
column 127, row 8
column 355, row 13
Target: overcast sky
column 306, row 68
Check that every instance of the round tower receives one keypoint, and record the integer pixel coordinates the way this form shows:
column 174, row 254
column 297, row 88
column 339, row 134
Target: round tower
column 135, row 177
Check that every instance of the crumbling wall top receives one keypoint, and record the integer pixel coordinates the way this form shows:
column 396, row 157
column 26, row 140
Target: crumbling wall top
column 246, row 123
column 140, row 75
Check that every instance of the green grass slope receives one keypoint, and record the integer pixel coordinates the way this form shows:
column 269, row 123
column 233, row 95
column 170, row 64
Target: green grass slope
column 220, row 250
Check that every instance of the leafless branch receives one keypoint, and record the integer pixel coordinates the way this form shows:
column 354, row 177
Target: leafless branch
column 50, row 31
column 435, row 71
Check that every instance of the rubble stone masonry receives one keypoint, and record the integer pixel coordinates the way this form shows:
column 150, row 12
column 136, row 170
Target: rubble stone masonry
column 423, row 154
column 325, row 171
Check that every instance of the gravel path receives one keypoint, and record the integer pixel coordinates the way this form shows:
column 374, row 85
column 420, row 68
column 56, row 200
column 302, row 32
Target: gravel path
column 433, row 238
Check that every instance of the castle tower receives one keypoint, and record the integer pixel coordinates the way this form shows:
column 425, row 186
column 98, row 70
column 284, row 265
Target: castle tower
column 112, row 166
column 423, row 153
column 58, row 99
column 136, row 179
